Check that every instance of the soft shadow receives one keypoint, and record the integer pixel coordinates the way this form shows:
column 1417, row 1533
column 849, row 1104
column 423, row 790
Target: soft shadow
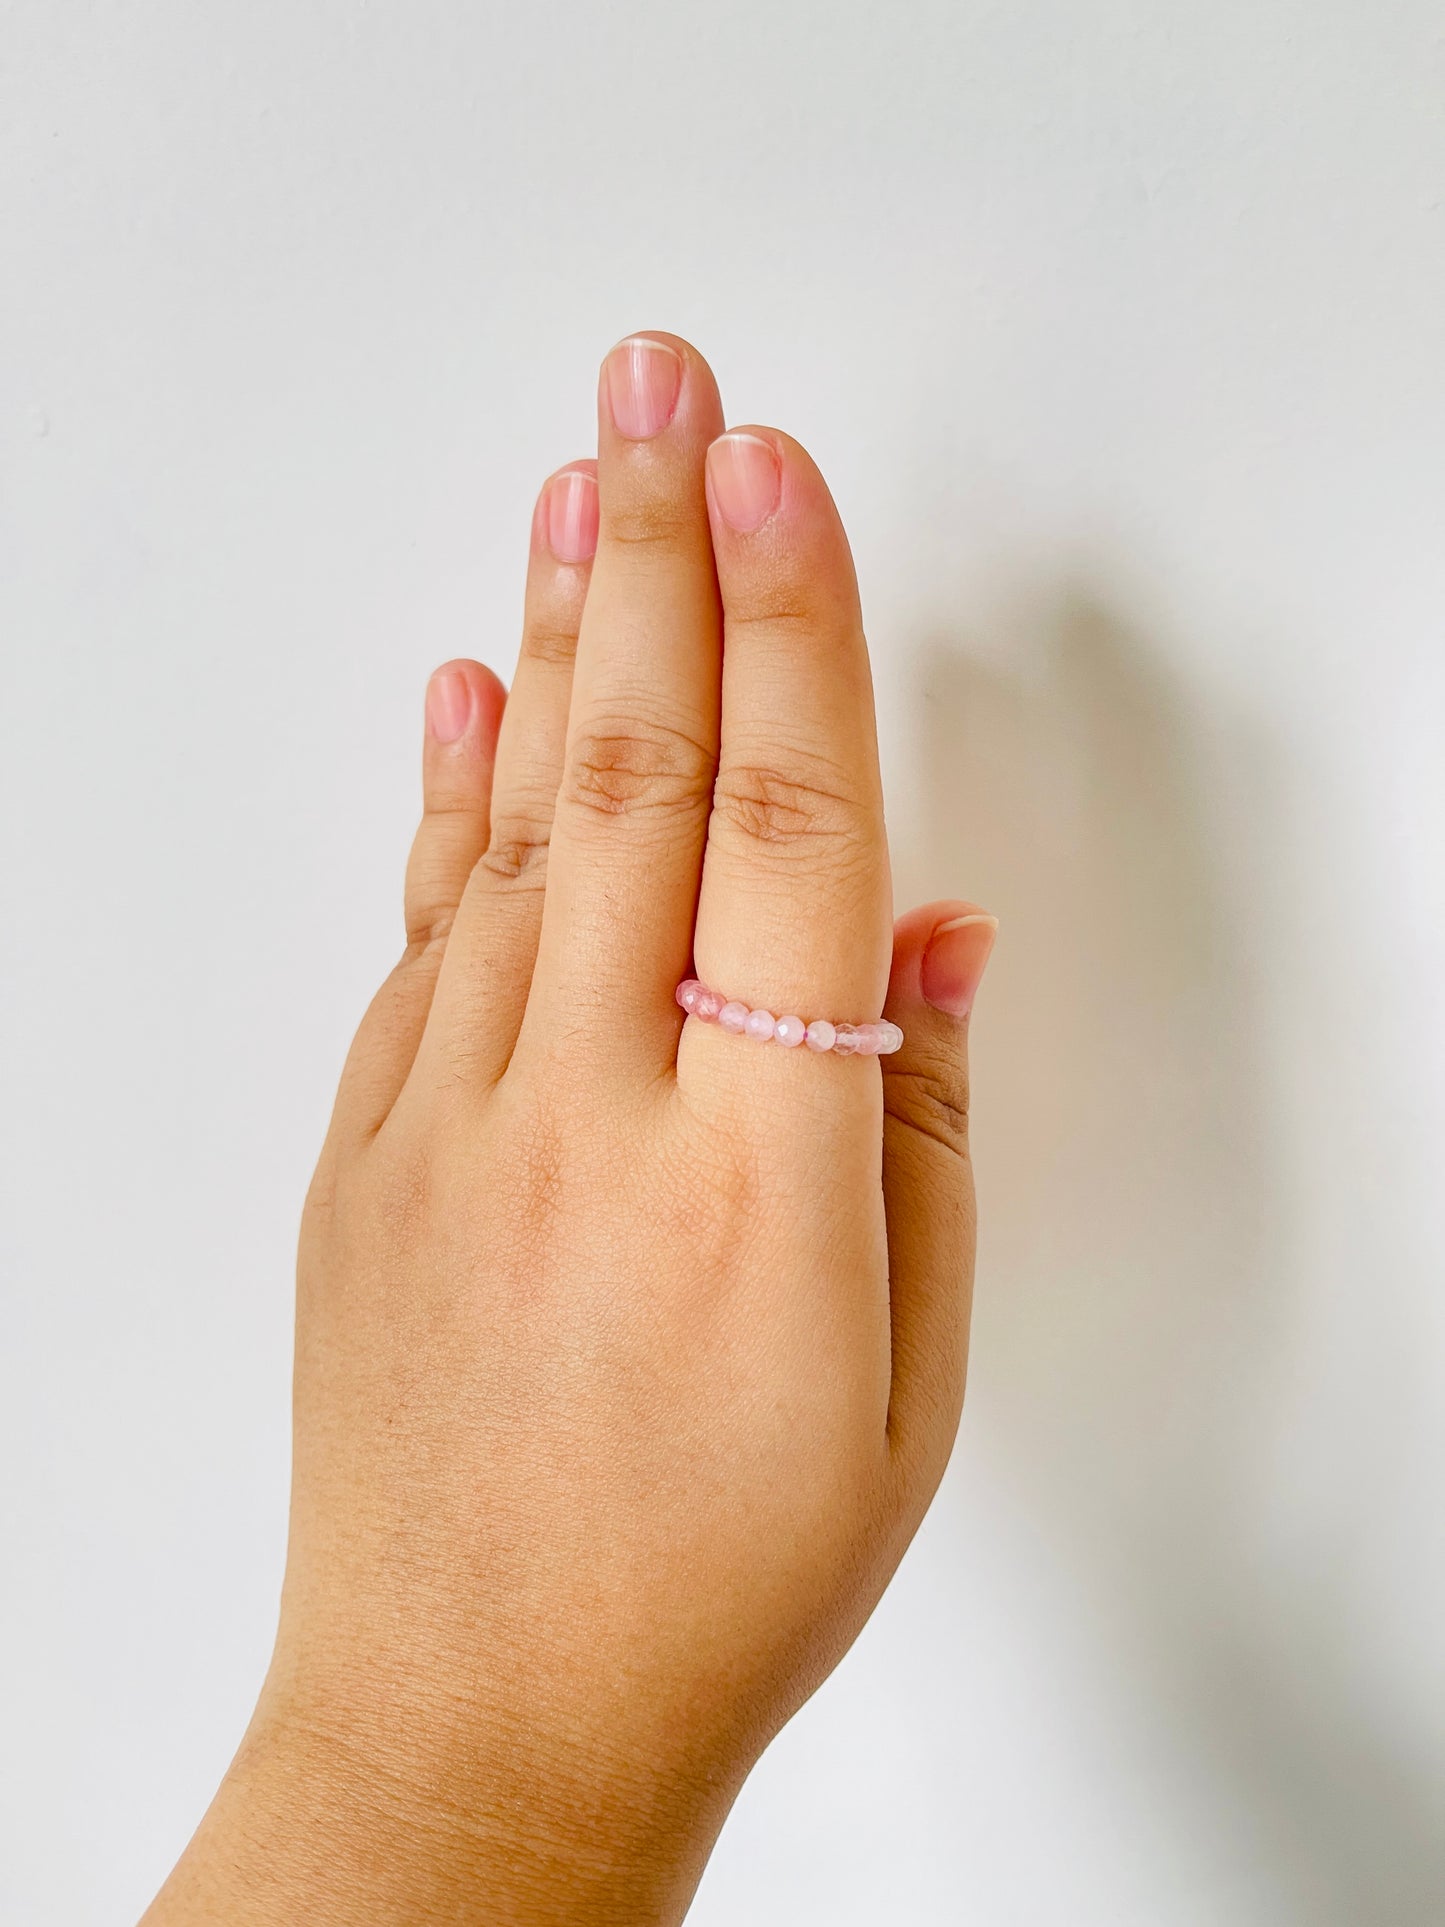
column 1134, row 1323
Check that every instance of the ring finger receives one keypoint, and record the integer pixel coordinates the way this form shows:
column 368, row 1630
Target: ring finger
column 794, row 914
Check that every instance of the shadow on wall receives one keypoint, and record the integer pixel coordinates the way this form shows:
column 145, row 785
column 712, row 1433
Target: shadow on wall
column 1136, row 1311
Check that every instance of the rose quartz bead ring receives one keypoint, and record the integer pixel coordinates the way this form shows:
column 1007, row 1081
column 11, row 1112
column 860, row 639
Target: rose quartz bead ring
column 844, row 1040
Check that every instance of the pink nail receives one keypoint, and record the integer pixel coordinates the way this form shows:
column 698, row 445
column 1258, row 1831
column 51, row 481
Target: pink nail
column 643, row 379
column 746, row 478
column 953, row 963
column 571, row 518
column 448, row 705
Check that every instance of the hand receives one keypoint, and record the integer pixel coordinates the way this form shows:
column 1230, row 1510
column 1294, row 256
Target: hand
column 629, row 1351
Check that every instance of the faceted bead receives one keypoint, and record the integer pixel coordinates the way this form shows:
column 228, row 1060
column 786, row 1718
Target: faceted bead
column 845, row 1040
column 687, row 992
column 821, row 1035
column 733, row 1016
column 708, row 1004
column 790, row 1031
column 870, row 1039
column 760, row 1025
column 892, row 1038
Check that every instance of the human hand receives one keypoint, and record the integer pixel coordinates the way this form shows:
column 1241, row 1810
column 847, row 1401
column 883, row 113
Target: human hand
column 629, row 1351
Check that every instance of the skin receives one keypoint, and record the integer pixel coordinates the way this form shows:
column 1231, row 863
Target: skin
column 629, row 1353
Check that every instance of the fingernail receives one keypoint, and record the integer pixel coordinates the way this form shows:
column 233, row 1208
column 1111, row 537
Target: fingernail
column 746, row 478
column 643, row 379
column 571, row 516
column 448, row 705
column 953, row 962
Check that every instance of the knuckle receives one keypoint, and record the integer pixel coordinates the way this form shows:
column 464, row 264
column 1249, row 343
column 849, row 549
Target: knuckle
column 767, row 602
column 636, row 769
column 517, row 852
column 549, row 642
column 650, row 522
column 931, row 1098
column 786, row 809
column 443, row 853
column 427, row 928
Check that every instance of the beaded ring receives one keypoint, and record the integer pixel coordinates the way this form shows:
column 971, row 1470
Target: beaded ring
column 846, row 1040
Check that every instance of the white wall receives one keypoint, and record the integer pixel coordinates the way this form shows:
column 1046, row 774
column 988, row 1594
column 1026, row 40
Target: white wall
column 1118, row 327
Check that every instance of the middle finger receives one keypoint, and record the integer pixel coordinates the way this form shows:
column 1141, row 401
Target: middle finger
column 642, row 738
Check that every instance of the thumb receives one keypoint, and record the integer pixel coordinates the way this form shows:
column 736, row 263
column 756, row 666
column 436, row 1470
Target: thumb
column 939, row 954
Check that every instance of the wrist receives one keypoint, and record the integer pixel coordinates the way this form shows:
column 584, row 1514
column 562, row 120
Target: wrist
column 369, row 1809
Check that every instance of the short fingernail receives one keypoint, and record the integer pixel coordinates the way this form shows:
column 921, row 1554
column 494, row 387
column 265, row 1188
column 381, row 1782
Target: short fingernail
column 746, row 478
column 954, row 961
column 448, row 705
column 571, row 516
column 643, row 379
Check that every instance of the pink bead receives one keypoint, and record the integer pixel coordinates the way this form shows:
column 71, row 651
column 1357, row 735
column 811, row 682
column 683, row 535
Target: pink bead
column 847, row 1040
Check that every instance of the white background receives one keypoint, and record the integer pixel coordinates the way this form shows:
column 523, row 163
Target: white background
column 1117, row 326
